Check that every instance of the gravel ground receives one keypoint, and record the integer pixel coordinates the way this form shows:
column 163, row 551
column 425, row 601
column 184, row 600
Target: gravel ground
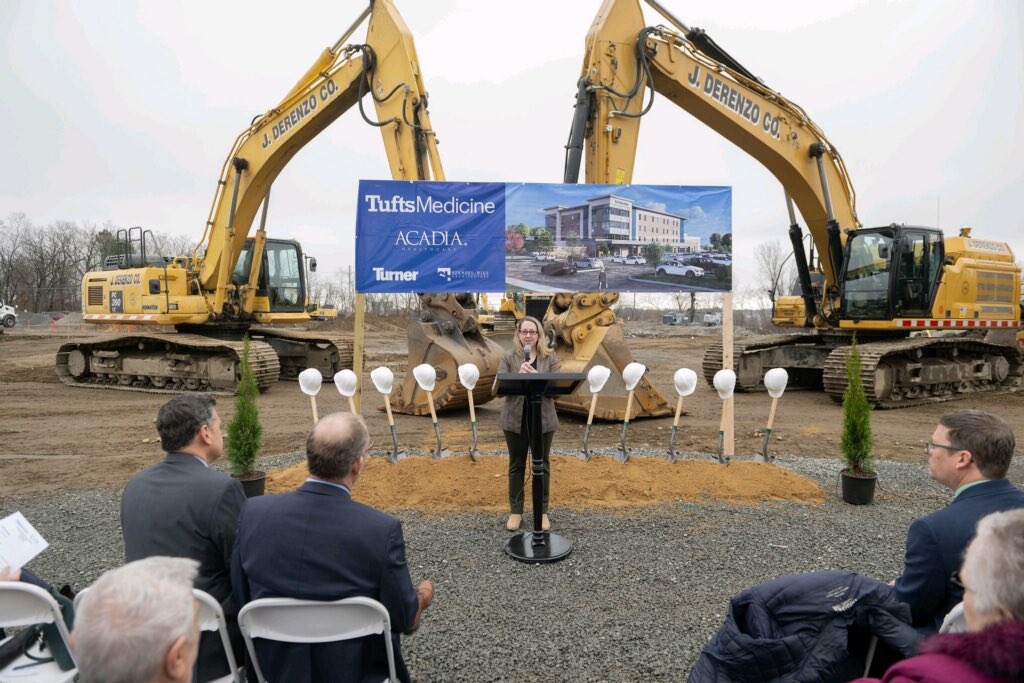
column 641, row 594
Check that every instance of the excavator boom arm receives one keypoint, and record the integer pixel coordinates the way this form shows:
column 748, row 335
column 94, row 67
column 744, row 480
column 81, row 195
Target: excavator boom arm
column 624, row 58
column 386, row 67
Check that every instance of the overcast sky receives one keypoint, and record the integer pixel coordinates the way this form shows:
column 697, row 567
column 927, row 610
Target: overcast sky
column 124, row 110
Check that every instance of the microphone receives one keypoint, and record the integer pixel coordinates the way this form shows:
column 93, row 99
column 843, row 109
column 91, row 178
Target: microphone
column 526, row 351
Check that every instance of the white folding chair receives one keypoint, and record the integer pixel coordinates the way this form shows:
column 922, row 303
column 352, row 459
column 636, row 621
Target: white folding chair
column 955, row 621
column 22, row 604
column 311, row 621
column 211, row 618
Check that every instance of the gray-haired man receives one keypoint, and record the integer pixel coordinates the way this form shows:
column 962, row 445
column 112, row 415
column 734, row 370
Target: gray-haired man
column 139, row 624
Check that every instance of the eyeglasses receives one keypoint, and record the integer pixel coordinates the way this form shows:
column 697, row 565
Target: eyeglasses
column 528, row 333
column 929, row 447
column 956, row 581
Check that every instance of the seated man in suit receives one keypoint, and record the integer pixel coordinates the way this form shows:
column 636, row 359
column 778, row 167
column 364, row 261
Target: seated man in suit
column 318, row 544
column 969, row 453
column 139, row 624
column 182, row 508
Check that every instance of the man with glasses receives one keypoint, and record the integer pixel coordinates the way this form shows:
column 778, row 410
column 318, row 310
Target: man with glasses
column 969, row 453
column 317, row 543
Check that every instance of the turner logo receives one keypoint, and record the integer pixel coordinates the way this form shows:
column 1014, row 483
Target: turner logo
column 382, row 275
column 446, row 273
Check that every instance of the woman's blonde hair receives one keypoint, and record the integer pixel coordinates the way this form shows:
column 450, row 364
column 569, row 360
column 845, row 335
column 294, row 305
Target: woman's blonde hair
column 542, row 342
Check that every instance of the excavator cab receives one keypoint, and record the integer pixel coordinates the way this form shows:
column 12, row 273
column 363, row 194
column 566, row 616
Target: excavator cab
column 282, row 280
column 891, row 272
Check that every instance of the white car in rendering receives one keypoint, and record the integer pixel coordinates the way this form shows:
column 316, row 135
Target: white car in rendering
column 618, row 259
column 541, row 256
column 635, row 260
column 677, row 268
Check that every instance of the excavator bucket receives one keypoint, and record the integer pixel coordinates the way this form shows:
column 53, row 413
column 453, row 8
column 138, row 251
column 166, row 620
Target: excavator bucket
column 586, row 333
column 448, row 337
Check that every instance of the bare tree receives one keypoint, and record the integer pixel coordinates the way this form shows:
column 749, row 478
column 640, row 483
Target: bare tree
column 775, row 272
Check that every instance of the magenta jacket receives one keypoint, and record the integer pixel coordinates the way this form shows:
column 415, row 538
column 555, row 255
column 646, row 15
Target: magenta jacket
column 995, row 655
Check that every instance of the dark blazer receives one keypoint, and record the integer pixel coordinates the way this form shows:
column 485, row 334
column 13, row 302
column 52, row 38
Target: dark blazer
column 319, row 544
column 181, row 508
column 512, row 411
column 805, row 628
column 935, row 548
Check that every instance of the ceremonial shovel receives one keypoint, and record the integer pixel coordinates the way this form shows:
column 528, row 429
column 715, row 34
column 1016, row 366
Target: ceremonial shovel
column 384, row 380
column 426, row 376
column 631, row 375
column 468, row 376
column 725, row 382
column 310, row 381
column 775, row 381
column 596, row 378
column 346, row 382
column 686, row 383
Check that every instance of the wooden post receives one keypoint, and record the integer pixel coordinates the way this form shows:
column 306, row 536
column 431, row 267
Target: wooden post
column 357, row 349
column 728, row 418
column 316, row 414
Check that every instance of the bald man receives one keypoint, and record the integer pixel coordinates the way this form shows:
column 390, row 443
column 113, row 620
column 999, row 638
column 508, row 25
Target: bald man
column 318, row 544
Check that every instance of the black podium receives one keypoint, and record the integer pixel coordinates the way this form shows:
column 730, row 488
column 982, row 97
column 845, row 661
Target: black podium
column 537, row 545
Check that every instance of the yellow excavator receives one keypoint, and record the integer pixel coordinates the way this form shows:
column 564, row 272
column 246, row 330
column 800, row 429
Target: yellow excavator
column 234, row 284
column 881, row 283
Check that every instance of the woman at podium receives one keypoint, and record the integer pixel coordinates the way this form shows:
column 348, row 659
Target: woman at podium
column 531, row 355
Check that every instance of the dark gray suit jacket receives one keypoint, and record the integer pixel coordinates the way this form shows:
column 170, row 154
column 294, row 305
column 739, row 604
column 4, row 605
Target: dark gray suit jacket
column 181, row 508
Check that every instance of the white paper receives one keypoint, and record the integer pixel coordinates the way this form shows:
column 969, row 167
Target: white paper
column 19, row 541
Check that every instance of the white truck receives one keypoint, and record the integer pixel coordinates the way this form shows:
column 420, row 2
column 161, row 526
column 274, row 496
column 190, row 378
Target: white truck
column 8, row 316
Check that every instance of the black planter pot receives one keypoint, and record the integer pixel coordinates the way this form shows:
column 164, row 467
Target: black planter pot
column 254, row 484
column 858, row 489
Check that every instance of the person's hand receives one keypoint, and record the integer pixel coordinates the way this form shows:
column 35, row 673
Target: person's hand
column 8, row 574
column 425, row 593
column 893, row 582
column 527, row 367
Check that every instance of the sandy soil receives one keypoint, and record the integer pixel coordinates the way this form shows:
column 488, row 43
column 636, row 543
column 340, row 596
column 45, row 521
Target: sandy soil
column 55, row 438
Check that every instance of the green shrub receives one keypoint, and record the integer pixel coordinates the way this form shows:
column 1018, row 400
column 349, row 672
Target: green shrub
column 857, row 443
column 245, row 433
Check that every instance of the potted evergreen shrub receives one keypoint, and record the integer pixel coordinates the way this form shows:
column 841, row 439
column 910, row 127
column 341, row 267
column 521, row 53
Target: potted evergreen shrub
column 245, row 433
column 857, row 443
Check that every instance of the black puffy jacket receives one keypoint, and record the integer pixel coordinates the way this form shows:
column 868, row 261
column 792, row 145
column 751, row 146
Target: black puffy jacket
column 803, row 628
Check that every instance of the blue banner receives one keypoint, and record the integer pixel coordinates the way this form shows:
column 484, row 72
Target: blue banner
column 430, row 237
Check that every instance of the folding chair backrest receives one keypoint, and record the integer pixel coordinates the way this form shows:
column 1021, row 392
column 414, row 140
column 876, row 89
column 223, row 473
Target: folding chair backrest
column 311, row 621
column 211, row 618
column 22, row 604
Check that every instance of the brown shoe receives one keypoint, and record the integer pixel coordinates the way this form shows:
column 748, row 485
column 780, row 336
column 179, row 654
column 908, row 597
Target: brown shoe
column 513, row 522
column 545, row 523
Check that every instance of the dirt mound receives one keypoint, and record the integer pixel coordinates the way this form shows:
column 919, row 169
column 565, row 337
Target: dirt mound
column 457, row 484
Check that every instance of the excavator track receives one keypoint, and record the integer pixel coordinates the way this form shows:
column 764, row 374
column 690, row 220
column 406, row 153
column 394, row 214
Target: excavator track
column 921, row 370
column 163, row 363
column 300, row 349
column 753, row 356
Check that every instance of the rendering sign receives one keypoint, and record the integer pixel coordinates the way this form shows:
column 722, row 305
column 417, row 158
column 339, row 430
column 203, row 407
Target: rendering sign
column 484, row 237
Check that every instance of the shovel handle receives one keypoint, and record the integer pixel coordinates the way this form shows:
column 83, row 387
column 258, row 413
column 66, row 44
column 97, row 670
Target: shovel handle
column 430, row 402
column 679, row 410
column 316, row 415
column 472, row 409
column 593, row 407
column 351, row 404
column 771, row 413
column 629, row 404
column 387, row 407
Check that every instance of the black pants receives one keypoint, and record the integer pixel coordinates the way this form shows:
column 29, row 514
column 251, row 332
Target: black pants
column 518, row 452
